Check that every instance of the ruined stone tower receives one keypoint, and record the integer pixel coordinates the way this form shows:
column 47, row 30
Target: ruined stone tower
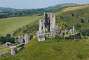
column 49, row 21
column 46, row 26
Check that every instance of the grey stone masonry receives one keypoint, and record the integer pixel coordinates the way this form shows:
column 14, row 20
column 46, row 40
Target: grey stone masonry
column 13, row 50
column 47, row 27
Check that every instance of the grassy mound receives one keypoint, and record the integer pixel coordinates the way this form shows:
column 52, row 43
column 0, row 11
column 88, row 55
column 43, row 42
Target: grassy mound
column 53, row 49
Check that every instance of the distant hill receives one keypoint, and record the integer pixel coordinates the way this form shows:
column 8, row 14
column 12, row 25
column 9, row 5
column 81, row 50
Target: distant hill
column 60, row 6
column 11, row 12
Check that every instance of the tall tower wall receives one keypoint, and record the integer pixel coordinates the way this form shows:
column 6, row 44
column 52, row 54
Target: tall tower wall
column 52, row 22
column 46, row 26
column 49, row 21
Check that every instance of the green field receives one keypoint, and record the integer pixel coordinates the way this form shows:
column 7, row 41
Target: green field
column 9, row 25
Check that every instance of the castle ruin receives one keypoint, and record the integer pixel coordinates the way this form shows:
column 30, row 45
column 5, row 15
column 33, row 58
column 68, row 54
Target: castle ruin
column 49, row 29
column 46, row 27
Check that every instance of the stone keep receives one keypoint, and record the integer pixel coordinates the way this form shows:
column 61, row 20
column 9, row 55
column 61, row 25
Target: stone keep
column 52, row 22
column 49, row 22
column 46, row 26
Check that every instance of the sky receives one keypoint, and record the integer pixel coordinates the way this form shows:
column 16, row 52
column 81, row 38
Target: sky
column 32, row 4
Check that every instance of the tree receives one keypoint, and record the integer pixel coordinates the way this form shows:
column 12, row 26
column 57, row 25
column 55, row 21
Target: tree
column 7, row 38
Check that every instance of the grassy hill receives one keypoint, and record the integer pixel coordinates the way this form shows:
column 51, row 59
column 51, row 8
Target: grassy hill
column 54, row 49
column 77, row 15
column 12, row 12
column 59, row 49
column 9, row 25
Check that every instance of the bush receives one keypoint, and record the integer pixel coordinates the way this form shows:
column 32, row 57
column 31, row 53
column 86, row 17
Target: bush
column 7, row 38
column 85, row 32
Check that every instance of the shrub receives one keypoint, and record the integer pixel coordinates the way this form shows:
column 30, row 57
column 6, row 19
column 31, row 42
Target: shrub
column 7, row 38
